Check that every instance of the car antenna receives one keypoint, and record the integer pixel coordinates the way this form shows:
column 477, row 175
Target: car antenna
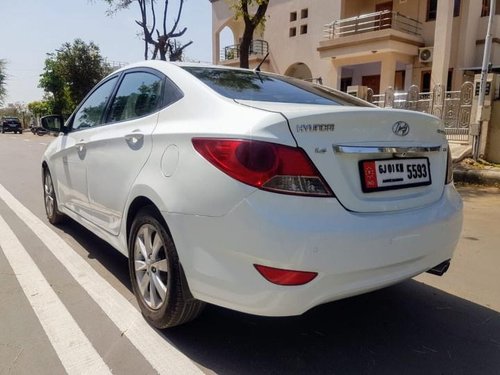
column 257, row 69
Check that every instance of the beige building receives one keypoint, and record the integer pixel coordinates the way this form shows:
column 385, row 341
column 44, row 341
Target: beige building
column 374, row 43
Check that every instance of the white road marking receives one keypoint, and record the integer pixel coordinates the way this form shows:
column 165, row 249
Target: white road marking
column 44, row 144
column 26, row 140
column 162, row 356
column 75, row 351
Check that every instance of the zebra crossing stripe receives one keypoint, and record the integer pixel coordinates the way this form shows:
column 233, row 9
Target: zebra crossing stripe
column 73, row 348
column 162, row 356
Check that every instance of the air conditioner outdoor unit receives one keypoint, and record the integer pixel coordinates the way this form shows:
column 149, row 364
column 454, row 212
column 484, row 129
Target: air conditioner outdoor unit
column 425, row 54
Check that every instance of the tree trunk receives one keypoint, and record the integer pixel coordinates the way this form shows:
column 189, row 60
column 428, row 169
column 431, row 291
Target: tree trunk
column 246, row 40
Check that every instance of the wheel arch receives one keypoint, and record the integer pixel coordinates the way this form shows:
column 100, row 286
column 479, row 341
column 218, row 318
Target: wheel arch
column 135, row 206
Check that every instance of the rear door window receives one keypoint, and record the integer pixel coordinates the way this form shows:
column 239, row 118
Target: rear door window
column 139, row 94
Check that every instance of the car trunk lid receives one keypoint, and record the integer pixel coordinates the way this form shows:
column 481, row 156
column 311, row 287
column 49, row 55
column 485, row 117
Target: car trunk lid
column 364, row 156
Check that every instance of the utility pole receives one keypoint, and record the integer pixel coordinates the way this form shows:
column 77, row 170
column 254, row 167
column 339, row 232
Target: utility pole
column 482, row 86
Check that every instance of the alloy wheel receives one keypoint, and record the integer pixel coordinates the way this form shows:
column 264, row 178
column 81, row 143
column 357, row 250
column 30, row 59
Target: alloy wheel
column 48, row 190
column 151, row 266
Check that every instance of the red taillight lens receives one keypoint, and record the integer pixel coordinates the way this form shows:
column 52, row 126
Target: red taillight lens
column 265, row 165
column 285, row 277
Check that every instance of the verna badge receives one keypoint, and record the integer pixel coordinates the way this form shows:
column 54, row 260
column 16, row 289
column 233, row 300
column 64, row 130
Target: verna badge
column 401, row 128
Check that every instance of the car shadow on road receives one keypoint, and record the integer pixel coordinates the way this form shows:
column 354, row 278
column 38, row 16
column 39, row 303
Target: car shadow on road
column 98, row 249
column 409, row 328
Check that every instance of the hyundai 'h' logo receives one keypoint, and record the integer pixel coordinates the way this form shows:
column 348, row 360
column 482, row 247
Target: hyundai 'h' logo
column 401, row 128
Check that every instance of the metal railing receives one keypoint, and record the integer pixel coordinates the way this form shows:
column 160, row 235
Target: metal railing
column 453, row 107
column 257, row 47
column 364, row 23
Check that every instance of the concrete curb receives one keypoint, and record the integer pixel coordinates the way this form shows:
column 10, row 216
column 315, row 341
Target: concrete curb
column 474, row 176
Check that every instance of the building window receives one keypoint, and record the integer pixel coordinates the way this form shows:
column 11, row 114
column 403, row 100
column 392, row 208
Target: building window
column 456, row 8
column 345, row 83
column 303, row 29
column 432, row 9
column 304, row 13
column 485, row 9
column 293, row 16
column 425, row 81
column 292, row 32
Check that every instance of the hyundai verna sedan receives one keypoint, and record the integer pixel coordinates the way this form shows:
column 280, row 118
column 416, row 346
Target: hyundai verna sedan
column 253, row 191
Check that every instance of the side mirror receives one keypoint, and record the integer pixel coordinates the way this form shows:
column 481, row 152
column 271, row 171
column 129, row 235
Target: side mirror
column 53, row 123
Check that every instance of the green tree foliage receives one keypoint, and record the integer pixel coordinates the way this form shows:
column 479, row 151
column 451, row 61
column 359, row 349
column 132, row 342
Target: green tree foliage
column 242, row 9
column 40, row 108
column 3, row 77
column 161, row 38
column 70, row 73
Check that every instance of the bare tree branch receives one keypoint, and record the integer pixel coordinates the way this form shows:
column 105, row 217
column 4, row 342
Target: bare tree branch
column 163, row 42
column 181, row 4
column 180, row 33
column 165, row 18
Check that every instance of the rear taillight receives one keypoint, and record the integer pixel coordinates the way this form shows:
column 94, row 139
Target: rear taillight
column 285, row 277
column 264, row 165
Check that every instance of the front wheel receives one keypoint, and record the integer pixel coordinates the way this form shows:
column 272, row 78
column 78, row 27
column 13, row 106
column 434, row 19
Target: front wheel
column 49, row 198
column 157, row 277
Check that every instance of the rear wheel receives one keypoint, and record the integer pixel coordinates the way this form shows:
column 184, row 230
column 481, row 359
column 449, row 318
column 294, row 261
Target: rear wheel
column 49, row 198
column 157, row 277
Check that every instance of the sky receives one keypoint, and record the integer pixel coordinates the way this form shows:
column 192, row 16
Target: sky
column 32, row 28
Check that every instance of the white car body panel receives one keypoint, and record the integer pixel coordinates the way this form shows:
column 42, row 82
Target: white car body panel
column 352, row 252
column 356, row 242
column 110, row 178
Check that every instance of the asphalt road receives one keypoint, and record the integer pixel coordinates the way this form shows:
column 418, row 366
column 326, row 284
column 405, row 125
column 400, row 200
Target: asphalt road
column 64, row 291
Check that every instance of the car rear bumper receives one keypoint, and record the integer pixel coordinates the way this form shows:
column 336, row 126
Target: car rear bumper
column 11, row 129
column 352, row 253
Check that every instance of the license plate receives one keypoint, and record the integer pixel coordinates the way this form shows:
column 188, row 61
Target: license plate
column 388, row 174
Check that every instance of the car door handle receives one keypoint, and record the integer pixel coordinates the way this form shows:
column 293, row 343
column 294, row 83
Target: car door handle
column 134, row 138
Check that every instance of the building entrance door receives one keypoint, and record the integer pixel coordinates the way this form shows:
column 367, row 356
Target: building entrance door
column 372, row 82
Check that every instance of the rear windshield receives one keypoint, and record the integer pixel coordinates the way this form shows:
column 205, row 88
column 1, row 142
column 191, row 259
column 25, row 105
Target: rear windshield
column 257, row 86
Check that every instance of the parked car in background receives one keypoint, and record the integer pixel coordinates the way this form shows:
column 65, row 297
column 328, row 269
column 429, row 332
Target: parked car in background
column 249, row 190
column 11, row 124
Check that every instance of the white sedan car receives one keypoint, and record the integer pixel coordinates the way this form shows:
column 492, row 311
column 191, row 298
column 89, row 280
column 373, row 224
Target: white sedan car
column 252, row 191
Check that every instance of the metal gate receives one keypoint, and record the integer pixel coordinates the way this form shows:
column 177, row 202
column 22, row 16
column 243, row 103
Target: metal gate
column 453, row 107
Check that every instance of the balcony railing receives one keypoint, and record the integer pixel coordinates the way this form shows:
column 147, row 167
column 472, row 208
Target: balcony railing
column 257, row 47
column 372, row 22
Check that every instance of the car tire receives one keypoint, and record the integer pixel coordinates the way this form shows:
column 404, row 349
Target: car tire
column 20, row 132
column 158, row 280
column 50, row 201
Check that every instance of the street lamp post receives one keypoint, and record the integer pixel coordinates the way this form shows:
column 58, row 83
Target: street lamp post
column 482, row 86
